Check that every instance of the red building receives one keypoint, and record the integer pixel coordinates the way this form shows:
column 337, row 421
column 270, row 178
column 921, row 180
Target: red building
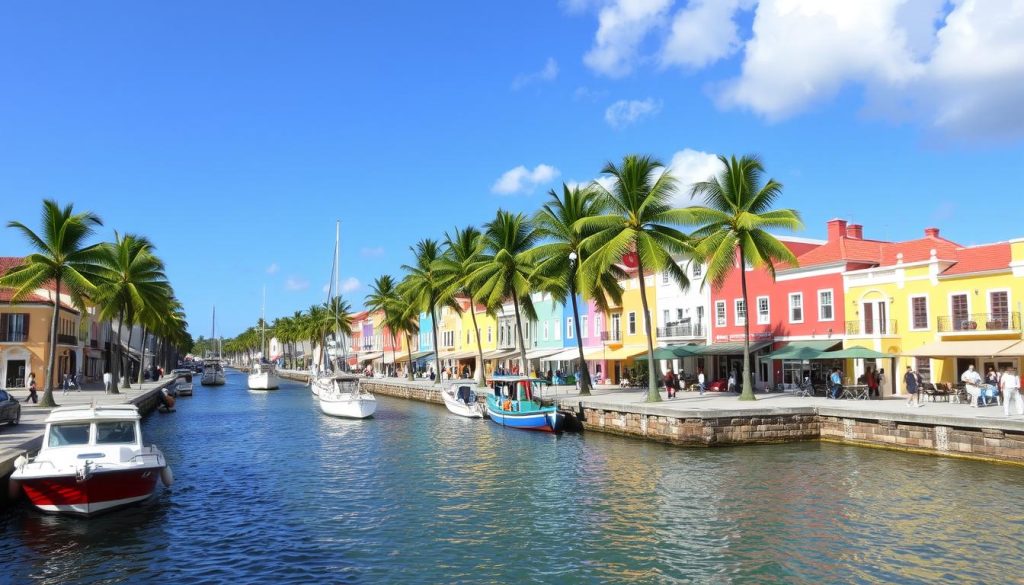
column 802, row 306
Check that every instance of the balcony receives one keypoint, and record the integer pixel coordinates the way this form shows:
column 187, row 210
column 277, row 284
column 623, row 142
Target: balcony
column 980, row 322
column 13, row 336
column 64, row 339
column 614, row 336
column 682, row 330
column 874, row 328
column 507, row 344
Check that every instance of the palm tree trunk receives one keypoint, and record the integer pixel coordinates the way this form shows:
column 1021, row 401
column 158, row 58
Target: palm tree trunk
column 652, row 380
column 115, row 374
column 747, row 392
column 51, row 361
column 481, row 379
column 408, row 347
column 584, row 370
column 142, row 360
column 437, row 348
column 524, row 371
column 128, row 364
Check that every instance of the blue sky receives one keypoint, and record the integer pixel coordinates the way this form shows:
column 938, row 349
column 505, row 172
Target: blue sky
column 233, row 134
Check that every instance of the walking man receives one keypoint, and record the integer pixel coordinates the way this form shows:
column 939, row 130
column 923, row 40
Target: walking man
column 32, row 389
column 670, row 383
column 1009, row 383
column 837, row 383
column 910, row 379
column 108, row 379
column 700, row 381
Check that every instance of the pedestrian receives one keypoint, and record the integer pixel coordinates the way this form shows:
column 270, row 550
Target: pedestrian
column 872, row 384
column 32, row 390
column 670, row 383
column 700, row 381
column 910, row 379
column 972, row 383
column 881, row 382
column 732, row 381
column 1009, row 383
column 836, row 382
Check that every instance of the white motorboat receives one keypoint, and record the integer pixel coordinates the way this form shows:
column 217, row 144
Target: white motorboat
column 341, row 396
column 263, row 377
column 213, row 373
column 92, row 460
column 460, row 398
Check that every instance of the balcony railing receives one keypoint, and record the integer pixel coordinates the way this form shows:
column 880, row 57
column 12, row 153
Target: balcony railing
column 506, row 344
column 874, row 327
column 682, row 330
column 64, row 339
column 614, row 335
column 13, row 336
column 980, row 322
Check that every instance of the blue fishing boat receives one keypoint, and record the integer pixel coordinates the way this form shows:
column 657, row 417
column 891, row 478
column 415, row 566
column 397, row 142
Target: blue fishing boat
column 511, row 403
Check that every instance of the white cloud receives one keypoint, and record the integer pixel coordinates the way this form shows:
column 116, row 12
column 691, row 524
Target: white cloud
column 295, row 283
column 622, row 27
column 548, row 73
column 704, row 32
column 273, row 268
column 625, row 112
column 690, row 166
column 522, row 180
column 326, row 288
column 375, row 252
column 350, row 284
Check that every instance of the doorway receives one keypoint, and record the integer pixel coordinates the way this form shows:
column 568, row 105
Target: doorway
column 15, row 374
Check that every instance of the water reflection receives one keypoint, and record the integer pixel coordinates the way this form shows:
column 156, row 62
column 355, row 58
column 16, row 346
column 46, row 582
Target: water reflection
column 270, row 490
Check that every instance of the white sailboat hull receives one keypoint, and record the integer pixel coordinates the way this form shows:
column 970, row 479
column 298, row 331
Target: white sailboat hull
column 457, row 406
column 212, row 379
column 264, row 381
column 347, row 405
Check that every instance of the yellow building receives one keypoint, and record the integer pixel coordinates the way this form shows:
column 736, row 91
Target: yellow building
column 25, row 335
column 624, row 335
column 939, row 307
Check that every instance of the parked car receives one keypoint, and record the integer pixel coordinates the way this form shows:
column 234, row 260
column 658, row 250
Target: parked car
column 10, row 408
column 719, row 385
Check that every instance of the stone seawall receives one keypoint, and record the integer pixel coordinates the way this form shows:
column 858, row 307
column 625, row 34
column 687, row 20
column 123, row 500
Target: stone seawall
column 703, row 431
column 424, row 392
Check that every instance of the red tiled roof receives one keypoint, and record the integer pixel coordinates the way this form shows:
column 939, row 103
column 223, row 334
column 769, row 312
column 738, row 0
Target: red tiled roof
column 8, row 262
column 920, row 249
column 844, row 248
column 981, row 259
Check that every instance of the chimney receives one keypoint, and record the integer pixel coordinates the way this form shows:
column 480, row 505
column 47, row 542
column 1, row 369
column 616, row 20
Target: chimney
column 932, row 232
column 836, row 229
column 855, row 231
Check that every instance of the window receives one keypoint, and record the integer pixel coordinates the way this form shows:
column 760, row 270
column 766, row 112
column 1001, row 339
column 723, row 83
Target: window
column 664, row 277
column 488, row 334
column 70, row 434
column 597, row 325
column 558, row 329
column 115, row 432
column 570, row 328
column 719, row 313
column 616, row 326
column 999, row 307
column 631, row 323
column 679, row 315
column 796, row 308
column 14, row 327
column 919, row 312
column 665, row 317
column 961, row 312
column 546, row 330
column 924, row 368
column 740, row 312
column 698, row 270
column 764, row 316
column 467, row 337
column 583, row 327
column 825, row 310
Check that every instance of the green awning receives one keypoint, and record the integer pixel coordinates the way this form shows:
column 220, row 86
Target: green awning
column 802, row 350
column 671, row 352
column 856, row 353
column 729, row 348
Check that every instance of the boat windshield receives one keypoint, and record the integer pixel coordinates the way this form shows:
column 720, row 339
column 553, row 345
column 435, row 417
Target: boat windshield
column 69, row 434
column 121, row 431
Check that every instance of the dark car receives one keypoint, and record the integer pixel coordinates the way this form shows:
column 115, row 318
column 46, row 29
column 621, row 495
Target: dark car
column 10, row 408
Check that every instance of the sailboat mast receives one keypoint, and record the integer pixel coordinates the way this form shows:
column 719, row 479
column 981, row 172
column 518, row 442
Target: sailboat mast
column 263, row 323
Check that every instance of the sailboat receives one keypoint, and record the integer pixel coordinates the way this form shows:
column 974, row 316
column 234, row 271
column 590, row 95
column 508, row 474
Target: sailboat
column 263, row 375
column 340, row 395
column 213, row 370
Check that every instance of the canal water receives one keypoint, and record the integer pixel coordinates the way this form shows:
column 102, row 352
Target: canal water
column 269, row 490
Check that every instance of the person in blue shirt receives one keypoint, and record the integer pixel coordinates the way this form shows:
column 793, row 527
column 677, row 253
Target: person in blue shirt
column 837, row 383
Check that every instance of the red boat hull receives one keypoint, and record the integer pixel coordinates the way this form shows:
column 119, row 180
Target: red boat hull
column 102, row 491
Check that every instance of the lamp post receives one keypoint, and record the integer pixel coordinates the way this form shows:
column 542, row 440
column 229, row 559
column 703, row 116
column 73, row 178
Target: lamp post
column 584, row 371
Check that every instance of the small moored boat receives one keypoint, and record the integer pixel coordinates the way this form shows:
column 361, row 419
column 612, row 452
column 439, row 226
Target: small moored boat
column 341, row 396
column 213, row 373
column 92, row 460
column 263, row 377
column 460, row 398
column 513, row 403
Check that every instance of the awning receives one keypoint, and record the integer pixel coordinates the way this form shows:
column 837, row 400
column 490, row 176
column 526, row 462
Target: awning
column 729, row 348
column 369, row 357
column 622, row 353
column 802, row 350
column 973, row 348
column 1017, row 349
column 856, row 353
column 404, row 357
column 536, row 354
column 566, row 355
column 497, row 354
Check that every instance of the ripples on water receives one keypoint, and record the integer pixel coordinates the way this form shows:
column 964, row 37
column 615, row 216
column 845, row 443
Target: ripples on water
column 269, row 490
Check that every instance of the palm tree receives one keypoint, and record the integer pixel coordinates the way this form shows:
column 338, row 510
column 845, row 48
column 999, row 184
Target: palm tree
column 735, row 217
column 62, row 257
column 640, row 220
column 463, row 253
column 506, row 270
column 558, row 221
column 151, row 317
column 407, row 321
column 131, row 278
column 383, row 297
column 424, row 285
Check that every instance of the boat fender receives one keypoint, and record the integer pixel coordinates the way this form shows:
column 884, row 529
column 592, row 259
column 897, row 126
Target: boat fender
column 168, row 400
column 167, row 476
column 20, row 462
column 13, row 489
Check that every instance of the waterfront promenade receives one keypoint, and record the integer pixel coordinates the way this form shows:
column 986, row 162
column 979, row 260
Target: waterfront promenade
column 27, row 436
